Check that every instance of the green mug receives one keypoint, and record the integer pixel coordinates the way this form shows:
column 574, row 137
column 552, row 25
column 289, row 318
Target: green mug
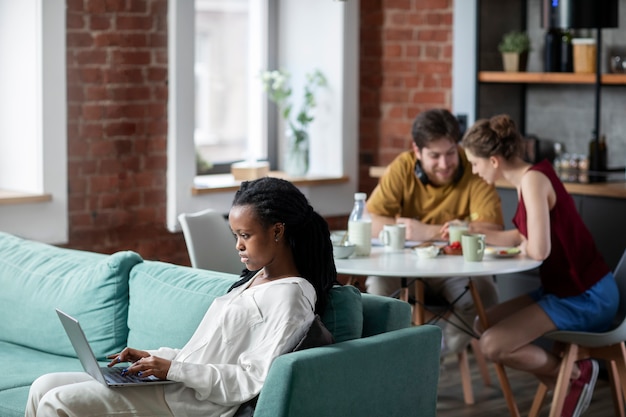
column 473, row 245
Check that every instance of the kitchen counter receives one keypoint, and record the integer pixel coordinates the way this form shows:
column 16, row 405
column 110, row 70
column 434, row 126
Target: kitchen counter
column 613, row 189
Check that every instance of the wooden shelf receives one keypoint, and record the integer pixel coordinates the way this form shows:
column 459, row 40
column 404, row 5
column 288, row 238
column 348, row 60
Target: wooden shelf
column 548, row 78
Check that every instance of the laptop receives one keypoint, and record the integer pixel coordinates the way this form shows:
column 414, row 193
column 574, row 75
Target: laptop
column 111, row 377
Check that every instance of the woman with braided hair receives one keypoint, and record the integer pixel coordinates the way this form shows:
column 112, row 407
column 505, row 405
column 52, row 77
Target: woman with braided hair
column 286, row 248
column 278, row 205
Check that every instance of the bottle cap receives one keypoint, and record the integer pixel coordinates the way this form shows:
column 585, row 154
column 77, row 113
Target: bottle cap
column 360, row 196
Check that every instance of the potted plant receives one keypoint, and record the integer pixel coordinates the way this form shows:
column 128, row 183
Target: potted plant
column 514, row 47
column 276, row 84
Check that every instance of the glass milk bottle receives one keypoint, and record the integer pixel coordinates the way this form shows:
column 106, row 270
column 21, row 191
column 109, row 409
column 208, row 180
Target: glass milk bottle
column 360, row 226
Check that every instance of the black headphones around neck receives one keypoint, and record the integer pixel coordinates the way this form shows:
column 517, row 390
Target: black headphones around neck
column 421, row 175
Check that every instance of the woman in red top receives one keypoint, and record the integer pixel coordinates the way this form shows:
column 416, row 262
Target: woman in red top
column 578, row 291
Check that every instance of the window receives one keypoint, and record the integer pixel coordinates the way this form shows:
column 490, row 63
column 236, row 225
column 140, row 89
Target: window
column 33, row 121
column 309, row 34
column 230, row 45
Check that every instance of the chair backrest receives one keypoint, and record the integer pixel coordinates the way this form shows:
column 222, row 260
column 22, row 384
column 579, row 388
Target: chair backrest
column 620, row 279
column 210, row 242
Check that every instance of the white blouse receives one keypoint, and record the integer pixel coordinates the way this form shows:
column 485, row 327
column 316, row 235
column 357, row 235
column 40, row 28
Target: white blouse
column 227, row 359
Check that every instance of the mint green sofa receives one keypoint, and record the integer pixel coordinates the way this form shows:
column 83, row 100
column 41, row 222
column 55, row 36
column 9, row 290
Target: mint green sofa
column 379, row 365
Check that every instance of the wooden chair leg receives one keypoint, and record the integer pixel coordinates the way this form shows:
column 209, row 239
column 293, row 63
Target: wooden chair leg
column 466, row 378
column 562, row 382
column 507, row 392
column 620, row 364
column 540, row 396
column 615, row 355
column 481, row 362
column 419, row 313
column 616, row 390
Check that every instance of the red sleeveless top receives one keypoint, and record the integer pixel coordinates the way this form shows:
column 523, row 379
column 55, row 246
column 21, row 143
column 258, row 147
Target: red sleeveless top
column 574, row 264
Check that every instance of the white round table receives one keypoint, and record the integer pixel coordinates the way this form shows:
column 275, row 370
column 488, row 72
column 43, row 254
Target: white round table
column 406, row 264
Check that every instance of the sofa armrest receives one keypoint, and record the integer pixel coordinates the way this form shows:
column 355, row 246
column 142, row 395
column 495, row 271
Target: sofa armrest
column 390, row 374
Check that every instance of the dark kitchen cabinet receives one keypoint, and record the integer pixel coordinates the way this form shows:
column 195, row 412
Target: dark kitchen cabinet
column 606, row 220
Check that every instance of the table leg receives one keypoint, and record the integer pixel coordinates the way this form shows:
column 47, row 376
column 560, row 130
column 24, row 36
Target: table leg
column 500, row 371
column 419, row 315
column 351, row 280
column 404, row 291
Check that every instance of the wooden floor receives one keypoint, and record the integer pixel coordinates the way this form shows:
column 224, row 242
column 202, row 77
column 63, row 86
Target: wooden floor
column 489, row 401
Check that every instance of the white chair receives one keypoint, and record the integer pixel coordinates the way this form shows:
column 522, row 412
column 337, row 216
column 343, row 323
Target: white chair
column 580, row 345
column 210, row 242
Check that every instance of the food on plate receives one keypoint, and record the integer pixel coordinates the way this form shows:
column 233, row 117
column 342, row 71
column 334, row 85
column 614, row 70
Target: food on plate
column 453, row 248
column 502, row 252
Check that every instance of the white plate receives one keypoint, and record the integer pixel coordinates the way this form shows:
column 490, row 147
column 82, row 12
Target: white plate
column 496, row 252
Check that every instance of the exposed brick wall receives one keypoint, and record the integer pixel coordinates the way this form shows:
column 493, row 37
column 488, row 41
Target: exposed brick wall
column 117, row 110
column 117, row 128
column 406, row 68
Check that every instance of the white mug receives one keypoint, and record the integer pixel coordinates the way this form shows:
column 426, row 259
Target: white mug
column 393, row 236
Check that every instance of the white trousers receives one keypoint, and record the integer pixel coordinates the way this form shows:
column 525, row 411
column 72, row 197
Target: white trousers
column 76, row 394
column 453, row 290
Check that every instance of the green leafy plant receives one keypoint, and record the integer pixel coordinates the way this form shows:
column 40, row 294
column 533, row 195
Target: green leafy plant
column 514, row 41
column 276, row 84
column 202, row 165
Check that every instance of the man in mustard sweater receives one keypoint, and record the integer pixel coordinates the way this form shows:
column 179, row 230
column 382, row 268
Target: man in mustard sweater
column 425, row 189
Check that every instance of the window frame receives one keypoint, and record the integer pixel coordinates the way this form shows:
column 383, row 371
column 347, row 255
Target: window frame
column 333, row 153
column 41, row 211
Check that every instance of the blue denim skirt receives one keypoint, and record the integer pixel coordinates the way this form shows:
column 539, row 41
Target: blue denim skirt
column 591, row 311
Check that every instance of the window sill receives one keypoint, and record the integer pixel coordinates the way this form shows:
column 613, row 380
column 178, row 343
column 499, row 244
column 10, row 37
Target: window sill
column 208, row 184
column 19, row 197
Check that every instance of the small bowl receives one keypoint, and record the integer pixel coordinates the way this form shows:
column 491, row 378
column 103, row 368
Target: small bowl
column 336, row 236
column 343, row 251
column 426, row 252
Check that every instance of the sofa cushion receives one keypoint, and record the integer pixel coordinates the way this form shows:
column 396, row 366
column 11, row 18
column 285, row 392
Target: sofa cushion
column 384, row 314
column 13, row 401
column 36, row 278
column 168, row 301
column 344, row 313
column 21, row 365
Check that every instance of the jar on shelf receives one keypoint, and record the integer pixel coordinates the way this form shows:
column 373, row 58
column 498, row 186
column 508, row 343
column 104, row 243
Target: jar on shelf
column 573, row 161
column 565, row 159
column 558, row 155
column 583, row 162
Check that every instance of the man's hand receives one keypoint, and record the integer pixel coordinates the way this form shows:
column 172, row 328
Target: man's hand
column 416, row 230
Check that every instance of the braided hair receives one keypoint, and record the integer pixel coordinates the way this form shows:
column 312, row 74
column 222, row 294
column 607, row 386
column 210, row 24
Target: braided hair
column 276, row 200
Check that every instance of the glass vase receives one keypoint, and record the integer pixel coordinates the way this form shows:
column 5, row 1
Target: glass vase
column 297, row 156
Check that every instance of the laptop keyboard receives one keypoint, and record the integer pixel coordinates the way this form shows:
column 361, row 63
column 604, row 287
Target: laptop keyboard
column 115, row 375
